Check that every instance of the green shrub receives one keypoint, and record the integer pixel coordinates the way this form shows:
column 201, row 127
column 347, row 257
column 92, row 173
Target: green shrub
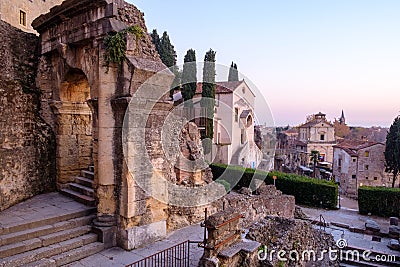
column 307, row 191
column 380, row 201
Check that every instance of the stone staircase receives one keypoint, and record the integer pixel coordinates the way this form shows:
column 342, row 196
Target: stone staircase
column 81, row 189
column 49, row 238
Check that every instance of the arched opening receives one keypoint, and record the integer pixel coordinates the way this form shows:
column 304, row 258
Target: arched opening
column 74, row 127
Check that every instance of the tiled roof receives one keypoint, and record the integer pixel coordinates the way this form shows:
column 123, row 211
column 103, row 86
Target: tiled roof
column 245, row 113
column 299, row 143
column 352, row 146
column 221, row 87
column 292, row 131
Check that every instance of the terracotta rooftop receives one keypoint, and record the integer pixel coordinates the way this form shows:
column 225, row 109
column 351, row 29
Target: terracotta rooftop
column 352, row 146
column 221, row 87
column 292, row 131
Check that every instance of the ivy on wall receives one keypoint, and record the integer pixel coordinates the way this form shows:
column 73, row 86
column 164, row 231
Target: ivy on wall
column 115, row 44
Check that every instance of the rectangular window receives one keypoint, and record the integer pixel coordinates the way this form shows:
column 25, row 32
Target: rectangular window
column 322, row 137
column 366, row 178
column 375, row 178
column 354, row 159
column 22, row 18
column 242, row 137
column 354, row 176
column 366, row 167
column 367, row 154
column 236, row 114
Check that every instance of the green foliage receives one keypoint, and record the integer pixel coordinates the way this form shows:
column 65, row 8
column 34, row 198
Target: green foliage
column 307, row 191
column 167, row 51
column 392, row 151
column 233, row 73
column 115, row 44
column 189, row 77
column 380, row 201
column 155, row 39
column 208, row 93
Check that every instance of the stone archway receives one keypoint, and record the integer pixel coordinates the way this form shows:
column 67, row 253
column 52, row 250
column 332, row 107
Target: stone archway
column 73, row 77
column 74, row 126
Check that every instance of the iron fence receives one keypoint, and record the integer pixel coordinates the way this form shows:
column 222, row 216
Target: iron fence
column 176, row 256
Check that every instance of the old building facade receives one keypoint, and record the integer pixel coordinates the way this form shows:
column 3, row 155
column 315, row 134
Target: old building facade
column 233, row 124
column 21, row 13
column 319, row 134
column 358, row 163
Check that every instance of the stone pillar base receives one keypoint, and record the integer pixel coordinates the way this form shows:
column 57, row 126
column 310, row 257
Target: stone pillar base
column 106, row 235
column 138, row 236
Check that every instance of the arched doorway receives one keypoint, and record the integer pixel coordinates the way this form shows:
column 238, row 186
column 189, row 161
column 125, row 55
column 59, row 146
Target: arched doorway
column 74, row 126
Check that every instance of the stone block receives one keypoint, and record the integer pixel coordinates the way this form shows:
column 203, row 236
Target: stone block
column 394, row 244
column 139, row 236
column 394, row 231
column 394, row 221
column 372, row 226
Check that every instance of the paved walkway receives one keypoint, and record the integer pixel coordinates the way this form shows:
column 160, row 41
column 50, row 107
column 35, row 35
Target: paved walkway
column 345, row 216
column 117, row 257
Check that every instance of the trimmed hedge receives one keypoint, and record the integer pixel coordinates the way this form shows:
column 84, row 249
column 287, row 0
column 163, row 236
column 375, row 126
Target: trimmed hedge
column 307, row 191
column 380, row 201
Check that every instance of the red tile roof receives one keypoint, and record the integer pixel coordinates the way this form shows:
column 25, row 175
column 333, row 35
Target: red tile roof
column 221, row 87
column 352, row 146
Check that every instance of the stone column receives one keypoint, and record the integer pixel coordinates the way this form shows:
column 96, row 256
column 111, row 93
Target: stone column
column 105, row 192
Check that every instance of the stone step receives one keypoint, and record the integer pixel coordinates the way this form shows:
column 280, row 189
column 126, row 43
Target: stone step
column 84, row 181
column 31, row 233
column 78, row 253
column 87, row 191
column 42, row 241
column 57, row 249
column 69, row 256
column 45, row 221
column 87, row 174
column 89, row 201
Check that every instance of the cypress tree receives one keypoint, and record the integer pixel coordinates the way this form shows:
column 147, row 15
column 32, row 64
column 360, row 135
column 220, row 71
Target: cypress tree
column 233, row 73
column 208, row 94
column 155, row 39
column 392, row 151
column 168, row 56
column 189, row 77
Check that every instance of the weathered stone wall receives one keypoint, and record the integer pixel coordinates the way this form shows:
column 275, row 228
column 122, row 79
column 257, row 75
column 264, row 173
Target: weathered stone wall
column 10, row 11
column 291, row 235
column 253, row 207
column 27, row 146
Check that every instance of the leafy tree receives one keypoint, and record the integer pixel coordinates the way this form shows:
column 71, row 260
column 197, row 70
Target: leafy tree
column 392, row 151
column 189, row 77
column 208, row 94
column 233, row 73
column 314, row 157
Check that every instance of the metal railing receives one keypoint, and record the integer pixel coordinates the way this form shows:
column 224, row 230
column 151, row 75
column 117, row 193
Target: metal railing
column 176, row 256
